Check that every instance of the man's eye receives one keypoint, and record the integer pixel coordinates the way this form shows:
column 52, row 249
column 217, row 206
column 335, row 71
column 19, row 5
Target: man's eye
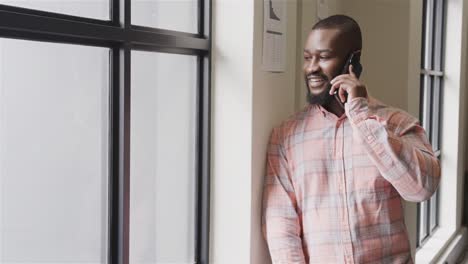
column 306, row 58
column 324, row 57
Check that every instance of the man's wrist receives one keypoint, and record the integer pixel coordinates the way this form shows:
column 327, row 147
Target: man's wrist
column 357, row 109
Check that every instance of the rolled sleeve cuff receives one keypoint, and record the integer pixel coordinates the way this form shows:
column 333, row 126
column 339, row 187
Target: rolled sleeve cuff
column 357, row 109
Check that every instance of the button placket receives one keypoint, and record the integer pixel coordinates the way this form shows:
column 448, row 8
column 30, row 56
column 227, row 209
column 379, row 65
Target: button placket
column 346, row 236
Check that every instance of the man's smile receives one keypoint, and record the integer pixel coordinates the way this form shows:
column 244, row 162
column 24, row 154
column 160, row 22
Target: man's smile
column 315, row 82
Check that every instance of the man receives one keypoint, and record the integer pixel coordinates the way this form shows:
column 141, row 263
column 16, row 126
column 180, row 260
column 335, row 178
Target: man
column 336, row 177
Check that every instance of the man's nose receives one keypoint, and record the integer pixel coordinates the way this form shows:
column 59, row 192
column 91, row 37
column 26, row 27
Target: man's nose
column 312, row 66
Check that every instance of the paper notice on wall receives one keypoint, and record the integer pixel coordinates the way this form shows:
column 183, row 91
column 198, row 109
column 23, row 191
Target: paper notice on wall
column 274, row 36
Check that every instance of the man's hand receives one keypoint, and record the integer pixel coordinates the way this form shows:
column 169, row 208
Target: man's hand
column 350, row 84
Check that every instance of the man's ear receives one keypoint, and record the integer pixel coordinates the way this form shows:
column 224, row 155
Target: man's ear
column 357, row 54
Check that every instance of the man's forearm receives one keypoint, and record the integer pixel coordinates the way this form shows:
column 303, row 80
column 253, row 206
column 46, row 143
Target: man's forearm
column 402, row 155
column 281, row 220
column 284, row 242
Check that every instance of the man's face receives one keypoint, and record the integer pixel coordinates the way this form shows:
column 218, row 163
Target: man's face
column 325, row 52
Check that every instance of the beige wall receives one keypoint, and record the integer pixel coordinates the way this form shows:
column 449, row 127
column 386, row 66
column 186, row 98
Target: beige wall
column 306, row 18
column 273, row 101
column 465, row 186
column 465, row 105
column 384, row 26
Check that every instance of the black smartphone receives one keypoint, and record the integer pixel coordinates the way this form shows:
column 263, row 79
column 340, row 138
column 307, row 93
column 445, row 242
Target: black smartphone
column 353, row 59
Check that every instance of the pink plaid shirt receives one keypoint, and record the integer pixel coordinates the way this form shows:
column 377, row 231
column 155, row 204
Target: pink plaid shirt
column 334, row 186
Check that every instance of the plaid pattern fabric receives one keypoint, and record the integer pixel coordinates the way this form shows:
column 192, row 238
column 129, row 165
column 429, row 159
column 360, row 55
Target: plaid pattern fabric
column 334, row 186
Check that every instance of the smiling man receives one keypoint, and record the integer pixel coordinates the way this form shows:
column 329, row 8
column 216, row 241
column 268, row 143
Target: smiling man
column 336, row 176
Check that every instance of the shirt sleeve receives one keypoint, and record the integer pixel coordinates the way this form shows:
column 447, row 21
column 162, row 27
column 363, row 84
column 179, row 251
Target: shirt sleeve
column 399, row 147
column 281, row 224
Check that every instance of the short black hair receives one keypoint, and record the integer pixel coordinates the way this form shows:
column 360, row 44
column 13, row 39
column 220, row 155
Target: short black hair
column 345, row 24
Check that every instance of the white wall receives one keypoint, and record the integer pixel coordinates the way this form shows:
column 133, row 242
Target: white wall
column 232, row 94
column 247, row 103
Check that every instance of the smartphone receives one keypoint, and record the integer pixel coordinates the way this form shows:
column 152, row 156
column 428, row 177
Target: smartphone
column 353, row 59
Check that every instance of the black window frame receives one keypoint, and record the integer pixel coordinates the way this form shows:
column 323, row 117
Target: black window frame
column 431, row 85
column 121, row 37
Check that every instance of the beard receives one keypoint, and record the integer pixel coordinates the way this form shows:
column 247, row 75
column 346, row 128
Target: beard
column 322, row 98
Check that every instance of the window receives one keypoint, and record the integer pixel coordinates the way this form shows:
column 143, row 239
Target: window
column 105, row 131
column 431, row 99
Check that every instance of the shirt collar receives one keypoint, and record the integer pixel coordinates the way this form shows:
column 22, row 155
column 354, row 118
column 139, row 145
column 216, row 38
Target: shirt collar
column 326, row 113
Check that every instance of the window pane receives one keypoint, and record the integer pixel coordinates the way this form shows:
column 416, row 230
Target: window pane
column 433, row 216
column 428, row 34
column 54, row 154
column 163, row 157
column 180, row 15
column 98, row 9
column 436, row 113
column 438, row 34
column 423, row 221
column 426, row 103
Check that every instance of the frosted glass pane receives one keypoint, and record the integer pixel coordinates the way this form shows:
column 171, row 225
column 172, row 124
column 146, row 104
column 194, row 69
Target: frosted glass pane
column 180, row 15
column 53, row 154
column 163, row 137
column 98, row 9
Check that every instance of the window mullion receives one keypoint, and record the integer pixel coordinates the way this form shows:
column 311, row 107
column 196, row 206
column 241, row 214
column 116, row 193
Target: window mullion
column 119, row 199
column 124, row 155
column 120, row 196
column 115, row 12
column 125, row 14
column 203, row 153
column 125, row 128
